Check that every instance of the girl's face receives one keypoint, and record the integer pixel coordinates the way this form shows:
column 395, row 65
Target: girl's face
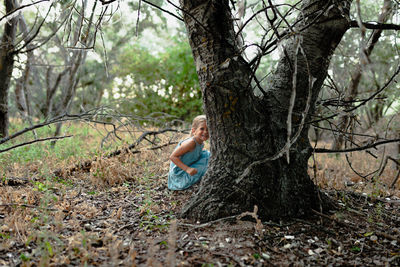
column 201, row 132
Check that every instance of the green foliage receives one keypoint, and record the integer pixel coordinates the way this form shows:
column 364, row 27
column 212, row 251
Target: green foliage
column 67, row 148
column 41, row 186
column 165, row 82
column 150, row 221
column 23, row 257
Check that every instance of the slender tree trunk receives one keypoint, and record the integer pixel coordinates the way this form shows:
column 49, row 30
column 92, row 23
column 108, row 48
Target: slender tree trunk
column 20, row 97
column 247, row 133
column 345, row 121
column 77, row 60
column 51, row 90
column 22, row 94
column 6, row 66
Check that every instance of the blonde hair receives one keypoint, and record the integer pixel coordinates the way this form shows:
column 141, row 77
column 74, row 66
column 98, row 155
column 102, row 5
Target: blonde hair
column 197, row 120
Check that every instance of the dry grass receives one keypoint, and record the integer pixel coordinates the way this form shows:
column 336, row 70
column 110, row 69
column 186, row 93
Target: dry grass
column 80, row 219
column 333, row 171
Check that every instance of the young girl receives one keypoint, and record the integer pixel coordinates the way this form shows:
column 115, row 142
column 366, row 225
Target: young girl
column 189, row 161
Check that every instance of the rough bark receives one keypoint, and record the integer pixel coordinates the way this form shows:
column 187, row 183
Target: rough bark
column 246, row 130
column 6, row 66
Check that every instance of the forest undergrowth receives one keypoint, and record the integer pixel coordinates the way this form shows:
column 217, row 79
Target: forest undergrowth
column 75, row 205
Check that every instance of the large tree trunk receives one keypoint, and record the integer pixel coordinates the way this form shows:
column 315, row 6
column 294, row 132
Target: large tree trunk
column 247, row 133
column 6, row 65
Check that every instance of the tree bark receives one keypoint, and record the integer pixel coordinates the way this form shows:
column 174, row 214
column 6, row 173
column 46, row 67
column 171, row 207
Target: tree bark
column 6, row 66
column 248, row 133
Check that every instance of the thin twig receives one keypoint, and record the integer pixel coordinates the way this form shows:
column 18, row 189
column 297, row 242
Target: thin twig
column 30, row 206
column 138, row 18
column 34, row 141
column 88, row 164
column 22, row 7
column 375, row 25
column 163, row 10
column 395, row 180
column 372, row 145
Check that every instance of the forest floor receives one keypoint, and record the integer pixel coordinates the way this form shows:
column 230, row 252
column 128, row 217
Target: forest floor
column 119, row 212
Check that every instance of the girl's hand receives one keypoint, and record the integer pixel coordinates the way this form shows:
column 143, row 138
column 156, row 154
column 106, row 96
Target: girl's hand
column 191, row 171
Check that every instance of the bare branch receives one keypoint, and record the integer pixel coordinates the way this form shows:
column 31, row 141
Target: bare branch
column 106, row 2
column 375, row 25
column 62, row 118
column 34, row 141
column 29, row 206
column 395, row 180
column 48, row 38
column 361, row 148
column 140, row 139
column 138, row 18
column 87, row 164
column 187, row 13
column 162, row 9
column 22, row 7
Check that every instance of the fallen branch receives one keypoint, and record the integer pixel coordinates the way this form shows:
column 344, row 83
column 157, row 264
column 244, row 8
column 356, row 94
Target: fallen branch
column 30, row 206
column 34, row 141
column 14, row 181
column 387, row 236
column 197, row 226
column 334, row 220
column 59, row 119
column 315, row 226
column 378, row 233
column 85, row 166
column 140, row 139
column 395, row 180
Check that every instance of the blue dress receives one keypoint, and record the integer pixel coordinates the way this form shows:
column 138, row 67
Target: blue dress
column 178, row 179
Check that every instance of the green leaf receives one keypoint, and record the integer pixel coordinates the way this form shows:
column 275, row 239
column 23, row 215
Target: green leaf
column 368, row 234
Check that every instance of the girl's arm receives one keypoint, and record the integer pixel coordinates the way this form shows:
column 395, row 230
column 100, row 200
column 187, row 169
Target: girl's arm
column 184, row 148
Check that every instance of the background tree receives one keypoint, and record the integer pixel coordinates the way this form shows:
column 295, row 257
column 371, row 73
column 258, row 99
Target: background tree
column 7, row 54
column 159, row 82
column 375, row 66
column 97, row 86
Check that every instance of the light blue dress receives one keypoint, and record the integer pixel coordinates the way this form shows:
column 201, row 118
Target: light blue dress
column 178, row 179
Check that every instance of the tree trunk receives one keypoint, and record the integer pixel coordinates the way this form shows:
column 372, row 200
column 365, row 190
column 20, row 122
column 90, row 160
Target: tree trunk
column 247, row 133
column 78, row 58
column 352, row 92
column 6, row 66
column 30, row 75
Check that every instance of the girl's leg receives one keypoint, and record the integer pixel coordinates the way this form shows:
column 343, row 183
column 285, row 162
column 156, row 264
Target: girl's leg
column 182, row 180
column 201, row 166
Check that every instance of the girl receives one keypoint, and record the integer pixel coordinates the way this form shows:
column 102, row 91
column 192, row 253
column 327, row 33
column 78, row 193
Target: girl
column 189, row 161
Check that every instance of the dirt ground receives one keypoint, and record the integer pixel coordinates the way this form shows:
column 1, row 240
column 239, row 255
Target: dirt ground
column 73, row 222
